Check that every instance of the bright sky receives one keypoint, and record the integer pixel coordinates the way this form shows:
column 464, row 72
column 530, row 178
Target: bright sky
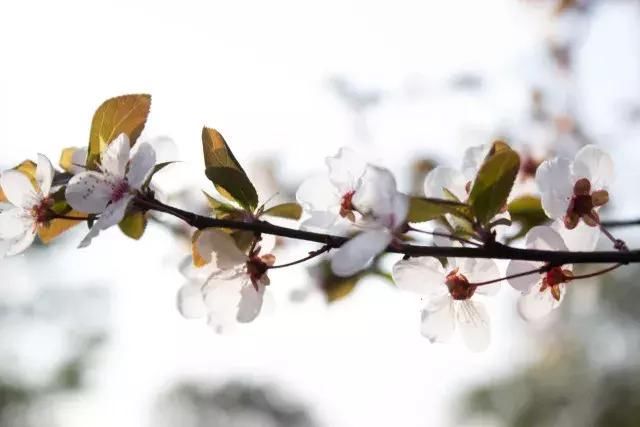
column 259, row 72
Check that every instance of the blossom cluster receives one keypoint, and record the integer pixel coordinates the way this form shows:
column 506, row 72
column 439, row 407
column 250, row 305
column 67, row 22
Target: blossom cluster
column 227, row 279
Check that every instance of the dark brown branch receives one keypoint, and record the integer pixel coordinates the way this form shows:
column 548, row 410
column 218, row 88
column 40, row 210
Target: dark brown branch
column 493, row 250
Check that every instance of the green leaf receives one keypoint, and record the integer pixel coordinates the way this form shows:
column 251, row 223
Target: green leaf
column 423, row 209
column 493, row 182
column 220, row 209
column 234, row 184
column 123, row 114
column 157, row 168
column 285, row 210
column 134, row 224
column 216, row 150
column 528, row 212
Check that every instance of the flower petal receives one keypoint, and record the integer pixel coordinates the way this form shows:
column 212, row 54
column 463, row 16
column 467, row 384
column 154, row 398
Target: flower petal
column 14, row 222
column 438, row 320
column 345, row 170
column 44, row 174
column 21, row 243
column 222, row 298
column 544, row 238
column 316, row 193
column 89, row 192
column 143, row 159
column 376, row 195
column 478, row 270
column 219, row 249
column 523, row 283
column 581, row 238
column 190, row 302
column 424, row 276
column 111, row 216
column 593, row 163
column 114, row 159
column 78, row 160
column 472, row 160
column 250, row 303
column 441, row 178
column 554, row 182
column 18, row 189
column 474, row 324
column 535, row 304
column 319, row 221
column 359, row 251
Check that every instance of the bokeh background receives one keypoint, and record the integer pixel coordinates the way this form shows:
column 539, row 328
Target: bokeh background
column 92, row 337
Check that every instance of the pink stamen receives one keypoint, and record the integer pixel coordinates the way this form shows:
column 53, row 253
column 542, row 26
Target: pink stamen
column 119, row 190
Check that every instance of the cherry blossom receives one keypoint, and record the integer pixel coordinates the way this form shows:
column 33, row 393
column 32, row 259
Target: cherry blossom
column 574, row 191
column 450, row 296
column 541, row 292
column 109, row 191
column 230, row 287
column 383, row 211
column 30, row 205
column 329, row 197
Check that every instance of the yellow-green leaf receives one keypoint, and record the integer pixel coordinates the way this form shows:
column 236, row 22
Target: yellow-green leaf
column 134, row 224
column 57, row 226
column 528, row 212
column 493, row 182
column 216, row 151
column 220, row 209
column 123, row 114
column 285, row 210
column 234, row 184
column 423, row 209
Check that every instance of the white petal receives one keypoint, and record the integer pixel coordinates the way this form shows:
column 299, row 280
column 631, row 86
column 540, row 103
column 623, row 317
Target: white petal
column 250, row 303
column 190, row 301
column 19, row 244
column 523, row 283
column 345, row 169
column 438, row 320
column 424, row 276
column 222, row 298
column 143, row 159
column 472, row 160
column 18, row 189
column 358, row 252
column 400, row 209
column 165, row 148
column 581, row 238
column 319, row 221
column 554, row 182
column 318, row 194
column 116, row 156
column 478, row 270
column 78, row 160
column 594, row 164
column 14, row 222
column 377, row 192
column 111, row 216
column 44, row 174
column 544, row 238
column 267, row 243
column 219, row 249
column 474, row 324
column 442, row 178
column 536, row 304
column 89, row 192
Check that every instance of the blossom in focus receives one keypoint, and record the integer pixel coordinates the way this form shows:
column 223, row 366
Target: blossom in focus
column 541, row 292
column 329, row 197
column 30, row 205
column 109, row 191
column 450, row 296
column 573, row 191
column 230, row 287
column 383, row 211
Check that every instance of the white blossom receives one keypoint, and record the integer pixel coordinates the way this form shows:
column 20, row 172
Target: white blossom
column 29, row 205
column 450, row 295
column 109, row 191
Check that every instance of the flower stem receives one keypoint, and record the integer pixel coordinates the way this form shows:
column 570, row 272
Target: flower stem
column 311, row 255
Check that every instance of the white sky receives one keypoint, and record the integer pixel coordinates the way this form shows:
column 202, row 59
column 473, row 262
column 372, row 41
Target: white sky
column 258, row 71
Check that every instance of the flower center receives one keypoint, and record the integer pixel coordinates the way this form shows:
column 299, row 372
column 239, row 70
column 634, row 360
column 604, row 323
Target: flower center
column 583, row 203
column 346, row 206
column 553, row 279
column 40, row 212
column 257, row 266
column 119, row 190
column 459, row 286
column 529, row 167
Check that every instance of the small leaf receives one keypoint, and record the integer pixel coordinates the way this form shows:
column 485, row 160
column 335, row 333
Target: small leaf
column 157, row 168
column 57, row 226
column 234, row 184
column 493, row 182
column 423, row 209
column 123, row 114
column 134, row 224
column 220, row 209
column 66, row 158
column 528, row 212
column 198, row 259
column 285, row 210
column 216, row 151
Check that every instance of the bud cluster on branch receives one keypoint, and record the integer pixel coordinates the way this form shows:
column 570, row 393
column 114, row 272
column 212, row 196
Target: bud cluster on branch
column 354, row 211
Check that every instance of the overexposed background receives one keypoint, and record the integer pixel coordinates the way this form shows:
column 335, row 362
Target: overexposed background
column 92, row 338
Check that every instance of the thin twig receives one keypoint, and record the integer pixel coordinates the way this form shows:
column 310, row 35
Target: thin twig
column 311, row 255
column 539, row 270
